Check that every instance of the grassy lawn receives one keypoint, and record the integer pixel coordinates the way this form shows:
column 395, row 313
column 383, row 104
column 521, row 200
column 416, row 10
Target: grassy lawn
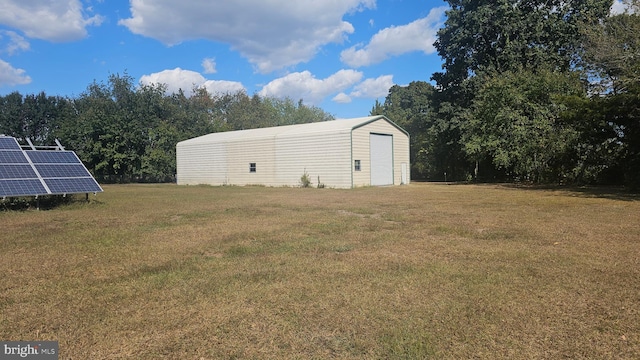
column 420, row 271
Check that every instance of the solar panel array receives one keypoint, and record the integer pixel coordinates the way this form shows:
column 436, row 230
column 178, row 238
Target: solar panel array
column 41, row 172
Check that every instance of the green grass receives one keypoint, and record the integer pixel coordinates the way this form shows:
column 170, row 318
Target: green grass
column 420, row 271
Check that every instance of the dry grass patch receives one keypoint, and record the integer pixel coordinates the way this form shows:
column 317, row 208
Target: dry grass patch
column 421, row 271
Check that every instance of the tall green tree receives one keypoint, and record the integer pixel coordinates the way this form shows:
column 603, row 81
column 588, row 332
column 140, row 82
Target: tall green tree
column 128, row 132
column 612, row 53
column 516, row 122
column 33, row 116
column 198, row 114
column 612, row 50
column 97, row 134
column 486, row 46
column 508, row 35
column 112, row 128
column 411, row 108
column 244, row 112
column 433, row 128
column 11, row 115
column 151, row 117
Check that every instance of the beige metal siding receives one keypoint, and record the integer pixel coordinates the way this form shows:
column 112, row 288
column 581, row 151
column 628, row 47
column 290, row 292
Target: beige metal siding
column 201, row 164
column 361, row 150
column 226, row 162
column 326, row 155
column 242, row 153
column 282, row 154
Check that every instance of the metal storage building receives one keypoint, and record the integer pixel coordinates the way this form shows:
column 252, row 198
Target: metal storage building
column 342, row 153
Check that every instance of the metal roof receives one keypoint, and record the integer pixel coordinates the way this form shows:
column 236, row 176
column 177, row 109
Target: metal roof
column 335, row 126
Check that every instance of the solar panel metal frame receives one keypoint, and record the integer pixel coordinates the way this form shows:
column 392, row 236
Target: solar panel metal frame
column 42, row 172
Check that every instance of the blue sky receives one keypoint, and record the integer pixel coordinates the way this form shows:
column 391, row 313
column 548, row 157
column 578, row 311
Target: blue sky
column 340, row 55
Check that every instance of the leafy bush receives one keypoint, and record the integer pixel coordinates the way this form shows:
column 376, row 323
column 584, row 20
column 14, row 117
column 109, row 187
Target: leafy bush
column 305, row 180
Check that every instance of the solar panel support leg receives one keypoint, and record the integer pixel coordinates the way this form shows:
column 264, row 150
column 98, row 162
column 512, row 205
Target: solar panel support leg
column 59, row 145
column 30, row 144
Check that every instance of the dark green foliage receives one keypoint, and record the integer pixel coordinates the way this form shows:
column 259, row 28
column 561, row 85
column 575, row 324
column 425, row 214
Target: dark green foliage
column 515, row 123
column 33, row 117
column 512, row 103
column 492, row 119
column 45, row 202
column 124, row 132
column 416, row 109
column 620, row 113
column 506, row 35
column 612, row 54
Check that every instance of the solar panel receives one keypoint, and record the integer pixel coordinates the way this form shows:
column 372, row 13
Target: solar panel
column 41, row 172
column 24, row 187
column 71, row 186
column 52, row 157
column 13, row 157
column 62, row 171
column 20, row 171
column 8, row 143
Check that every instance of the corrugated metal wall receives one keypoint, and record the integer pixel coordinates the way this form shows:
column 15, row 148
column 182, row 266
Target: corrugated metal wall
column 326, row 155
column 361, row 151
column 201, row 164
column 257, row 151
column 281, row 158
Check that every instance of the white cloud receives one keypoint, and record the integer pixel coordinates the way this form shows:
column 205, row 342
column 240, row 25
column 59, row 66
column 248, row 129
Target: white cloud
column 223, row 86
column 12, row 76
column 209, row 65
column 303, row 85
column 271, row 34
column 396, row 40
column 15, row 42
column 619, row 7
column 187, row 80
column 373, row 88
column 58, row 21
column 342, row 98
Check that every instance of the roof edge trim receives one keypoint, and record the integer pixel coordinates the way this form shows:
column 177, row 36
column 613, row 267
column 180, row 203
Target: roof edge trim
column 378, row 117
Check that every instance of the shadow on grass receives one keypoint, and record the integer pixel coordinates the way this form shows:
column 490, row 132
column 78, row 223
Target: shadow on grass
column 603, row 192
column 47, row 202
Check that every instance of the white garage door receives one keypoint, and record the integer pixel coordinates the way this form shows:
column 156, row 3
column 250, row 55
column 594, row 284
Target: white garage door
column 381, row 149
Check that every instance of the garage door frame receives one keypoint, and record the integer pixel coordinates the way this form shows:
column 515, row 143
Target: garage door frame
column 381, row 159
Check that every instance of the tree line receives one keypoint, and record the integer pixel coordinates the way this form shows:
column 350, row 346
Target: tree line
column 128, row 133
column 536, row 91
